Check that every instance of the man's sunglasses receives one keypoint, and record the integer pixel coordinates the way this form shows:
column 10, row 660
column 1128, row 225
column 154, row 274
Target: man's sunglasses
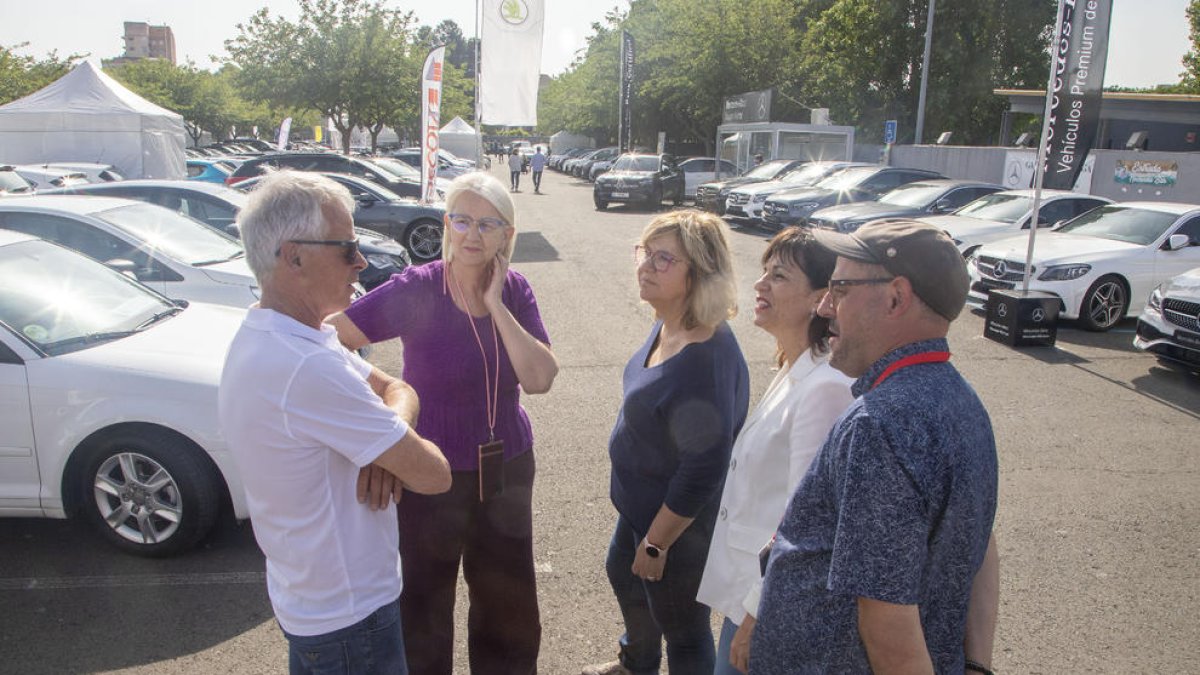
column 349, row 246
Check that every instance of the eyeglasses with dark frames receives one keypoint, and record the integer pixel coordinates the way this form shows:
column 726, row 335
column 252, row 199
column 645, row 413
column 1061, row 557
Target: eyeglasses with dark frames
column 462, row 222
column 661, row 261
column 349, row 246
column 838, row 288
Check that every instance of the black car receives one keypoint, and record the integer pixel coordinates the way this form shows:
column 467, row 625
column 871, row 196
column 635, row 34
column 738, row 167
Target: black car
column 583, row 167
column 640, row 178
column 923, row 198
column 417, row 226
column 328, row 162
column 711, row 196
column 855, row 184
column 217, row 206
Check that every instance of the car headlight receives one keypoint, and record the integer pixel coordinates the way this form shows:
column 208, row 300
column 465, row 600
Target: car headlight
column 849, row 225
column 1064, row 272
column 380, row 260
column 801, row 208
column 758, row 198
column 1156, row 298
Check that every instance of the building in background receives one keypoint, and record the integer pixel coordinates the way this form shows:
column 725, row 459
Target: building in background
column 143, row 41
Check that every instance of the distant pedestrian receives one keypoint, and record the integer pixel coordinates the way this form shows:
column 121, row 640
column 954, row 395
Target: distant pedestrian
column 758, row 159
column 884, row 559
column 686, row 392
column 312, row 426
column 537, row 164
column 515, row 165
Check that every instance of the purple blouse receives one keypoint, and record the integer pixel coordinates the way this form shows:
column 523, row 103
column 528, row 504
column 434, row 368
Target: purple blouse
column 442, row 360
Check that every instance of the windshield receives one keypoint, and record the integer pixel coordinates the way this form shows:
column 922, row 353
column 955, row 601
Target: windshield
column 806, row 175
column 766, row 171
column 636, row 163
column 844, row 180
column 62, row 301
column 397, row 167
column 1136, row 226
column 12, row 183
column 916, row 195
column 999, row 207
column 172, row 233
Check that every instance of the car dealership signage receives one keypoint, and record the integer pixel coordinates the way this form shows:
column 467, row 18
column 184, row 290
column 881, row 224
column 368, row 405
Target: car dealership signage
column 752, row 106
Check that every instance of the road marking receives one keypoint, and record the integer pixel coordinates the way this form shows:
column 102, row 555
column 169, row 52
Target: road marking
column 60, row 583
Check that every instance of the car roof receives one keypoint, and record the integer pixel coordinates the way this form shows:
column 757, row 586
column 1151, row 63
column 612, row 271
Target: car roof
column 1166, row 207
column 180, row 184
column 950, row 182
column 12, row 236
column 74, row 204
column 1029, row 192
column 41, row 170
column 79, row 165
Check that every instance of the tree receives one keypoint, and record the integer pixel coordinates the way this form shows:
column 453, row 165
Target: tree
column 23, row 75
column 1191, row 61
column 339, row 59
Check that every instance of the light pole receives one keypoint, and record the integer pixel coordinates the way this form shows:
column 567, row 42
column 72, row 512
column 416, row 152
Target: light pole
column 925, row 74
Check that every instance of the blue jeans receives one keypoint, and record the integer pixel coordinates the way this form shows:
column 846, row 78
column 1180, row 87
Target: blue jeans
column 724, row 667
column 654, row 610
column 372, row 646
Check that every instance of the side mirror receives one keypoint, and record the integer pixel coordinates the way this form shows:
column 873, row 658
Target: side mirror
column 366, row 201
column 1178, row 241
column 233, row 230
column 943, row 205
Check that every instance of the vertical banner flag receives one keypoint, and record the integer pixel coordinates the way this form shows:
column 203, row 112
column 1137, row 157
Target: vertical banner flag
column 625, row 119
column 1078, row 65
column 431, row 109
column 317, row 134
column 284, row 130
column 510, row 61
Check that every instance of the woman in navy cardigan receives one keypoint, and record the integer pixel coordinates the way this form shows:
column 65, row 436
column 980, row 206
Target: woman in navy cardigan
column 686, row 396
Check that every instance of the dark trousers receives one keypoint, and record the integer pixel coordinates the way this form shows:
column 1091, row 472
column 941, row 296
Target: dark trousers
column 494, row 540
column 537, row 181
column 515, row 177
column 654, row 610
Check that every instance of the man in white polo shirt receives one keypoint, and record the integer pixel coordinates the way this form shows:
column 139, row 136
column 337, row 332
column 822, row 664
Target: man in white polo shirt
column 311, row 425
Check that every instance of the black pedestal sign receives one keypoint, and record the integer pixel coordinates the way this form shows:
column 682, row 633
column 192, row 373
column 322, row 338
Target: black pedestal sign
column 1022, row 319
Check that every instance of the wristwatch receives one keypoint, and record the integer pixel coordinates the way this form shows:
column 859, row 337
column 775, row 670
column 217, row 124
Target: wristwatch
column 653, row 551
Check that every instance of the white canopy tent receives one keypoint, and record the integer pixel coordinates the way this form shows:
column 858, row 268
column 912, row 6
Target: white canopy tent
column 459, row 138
column 86, row 116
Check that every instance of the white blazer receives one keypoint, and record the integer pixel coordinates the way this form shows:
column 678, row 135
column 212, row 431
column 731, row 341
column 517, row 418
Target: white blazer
column 771, row 454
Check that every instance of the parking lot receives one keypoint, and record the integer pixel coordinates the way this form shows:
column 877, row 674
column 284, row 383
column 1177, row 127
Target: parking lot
column 1097, row 523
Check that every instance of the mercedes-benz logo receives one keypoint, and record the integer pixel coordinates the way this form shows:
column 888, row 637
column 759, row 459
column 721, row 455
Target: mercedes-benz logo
column 1038, row 315
column 1000, row 269
column 1002, row 310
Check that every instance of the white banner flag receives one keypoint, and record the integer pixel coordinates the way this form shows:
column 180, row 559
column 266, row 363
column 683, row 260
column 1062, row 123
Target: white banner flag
column 431, row 111
column 510, row 61
column 284, row 130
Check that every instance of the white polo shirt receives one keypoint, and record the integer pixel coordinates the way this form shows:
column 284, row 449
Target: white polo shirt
column 301, row 419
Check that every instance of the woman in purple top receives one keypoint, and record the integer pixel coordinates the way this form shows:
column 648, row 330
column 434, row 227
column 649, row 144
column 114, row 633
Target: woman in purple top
column 473, row 339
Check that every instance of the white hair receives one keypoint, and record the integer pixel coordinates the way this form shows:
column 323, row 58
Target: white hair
column 489, row 188
column 287, row 205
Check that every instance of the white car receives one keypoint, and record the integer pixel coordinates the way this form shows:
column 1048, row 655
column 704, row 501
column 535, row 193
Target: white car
column 746, row 202
column 1007, row 213
column 700, row 170
column 1102, row 264
column 168, row 251
column 1169, row 327
column 95, row 173
column 46, row 177
column 108, row 401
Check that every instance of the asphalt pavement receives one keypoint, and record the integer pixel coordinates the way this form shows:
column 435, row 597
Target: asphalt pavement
column 1097, row 524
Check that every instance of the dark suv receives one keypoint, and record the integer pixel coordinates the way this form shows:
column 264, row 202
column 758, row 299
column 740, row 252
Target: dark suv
column 711, row 196
column 640, row 178
column 331, row 163
column 855, row 184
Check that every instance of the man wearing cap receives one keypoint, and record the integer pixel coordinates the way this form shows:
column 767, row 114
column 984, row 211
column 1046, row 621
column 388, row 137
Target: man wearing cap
column 875, row 562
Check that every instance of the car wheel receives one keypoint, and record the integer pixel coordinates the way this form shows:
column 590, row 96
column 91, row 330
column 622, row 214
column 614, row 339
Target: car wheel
column 600, row 203
column 423, row 239
column 150, row 492
column 1105, row 304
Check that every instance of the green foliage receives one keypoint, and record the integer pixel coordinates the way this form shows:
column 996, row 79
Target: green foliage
column 23, row 75
column 1190, row 83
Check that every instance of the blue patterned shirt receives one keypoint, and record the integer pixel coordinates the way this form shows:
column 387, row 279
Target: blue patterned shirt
column 898, row 507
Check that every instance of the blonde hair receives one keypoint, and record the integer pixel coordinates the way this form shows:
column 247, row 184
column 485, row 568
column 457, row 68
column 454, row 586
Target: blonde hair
column 490, row 189
column 712, row 289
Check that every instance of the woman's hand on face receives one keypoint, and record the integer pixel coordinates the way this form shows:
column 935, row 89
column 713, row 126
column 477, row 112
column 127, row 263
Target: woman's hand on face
column 492, row 296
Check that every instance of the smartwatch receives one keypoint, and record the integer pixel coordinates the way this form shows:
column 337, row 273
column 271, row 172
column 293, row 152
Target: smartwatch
column 652, row 550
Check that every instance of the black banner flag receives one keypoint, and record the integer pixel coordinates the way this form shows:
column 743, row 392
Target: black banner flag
column 1077, row 63
column 625, row 124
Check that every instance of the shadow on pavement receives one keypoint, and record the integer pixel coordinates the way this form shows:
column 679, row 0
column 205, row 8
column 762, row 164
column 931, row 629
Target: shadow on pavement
column 73, row 603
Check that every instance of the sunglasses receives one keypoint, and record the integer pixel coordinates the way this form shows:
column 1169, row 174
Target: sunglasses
column 349, row 246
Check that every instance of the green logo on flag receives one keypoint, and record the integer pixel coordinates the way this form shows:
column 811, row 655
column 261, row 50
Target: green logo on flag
column 514, row 11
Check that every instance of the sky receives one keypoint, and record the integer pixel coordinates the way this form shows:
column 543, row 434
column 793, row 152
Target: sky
column 1148, row 37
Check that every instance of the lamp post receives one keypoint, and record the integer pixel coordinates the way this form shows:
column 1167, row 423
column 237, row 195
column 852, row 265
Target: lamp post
column 925, row 73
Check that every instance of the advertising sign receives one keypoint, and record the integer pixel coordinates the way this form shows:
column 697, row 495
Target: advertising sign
column 1078, row 76
column 431, row 110
column 1146, row 172
column 510, row 60
column 752, row 106
column 1020, row 165
column 889, row 131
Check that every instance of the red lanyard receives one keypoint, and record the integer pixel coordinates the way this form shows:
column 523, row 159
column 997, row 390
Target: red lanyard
column 913, row 360
column 491, row 396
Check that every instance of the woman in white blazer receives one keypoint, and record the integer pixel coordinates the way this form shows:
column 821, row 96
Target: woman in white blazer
column 780, row 437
